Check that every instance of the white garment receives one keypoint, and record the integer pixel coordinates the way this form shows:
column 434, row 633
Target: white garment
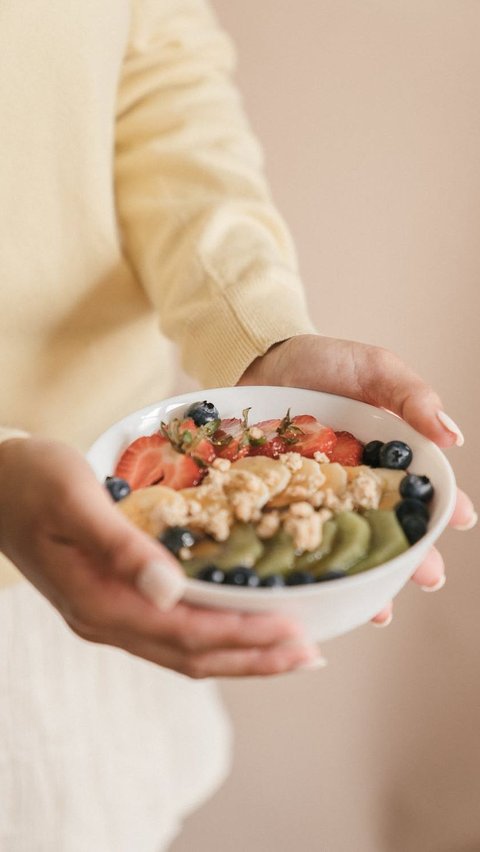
column 99, row 751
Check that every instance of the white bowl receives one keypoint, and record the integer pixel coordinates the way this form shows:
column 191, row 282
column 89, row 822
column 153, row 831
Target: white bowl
column 325, row 609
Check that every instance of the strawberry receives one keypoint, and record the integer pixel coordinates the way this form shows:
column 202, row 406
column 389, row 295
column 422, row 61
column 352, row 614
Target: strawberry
column 272, row 444
column 195, row 441
column 347, row 451
column 152, row 459
column 307, row 436
column 230, row 440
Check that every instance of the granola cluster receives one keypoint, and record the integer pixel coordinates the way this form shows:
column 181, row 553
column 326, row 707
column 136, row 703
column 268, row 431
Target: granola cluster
column 297, row 493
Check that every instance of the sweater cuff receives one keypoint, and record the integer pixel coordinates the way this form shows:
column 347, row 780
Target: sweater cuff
column 240, row 324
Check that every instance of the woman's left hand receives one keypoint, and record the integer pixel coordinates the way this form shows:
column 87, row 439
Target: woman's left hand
column 377, row 376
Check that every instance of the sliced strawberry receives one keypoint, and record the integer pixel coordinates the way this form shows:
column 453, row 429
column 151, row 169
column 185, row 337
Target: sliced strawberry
column 308, row 436
column 347, row 451
column 229, row 440
column 180, row 470
column 187, row 425
column 152, row 459
column 272, row 443
column 203, row 451
column 186, row 437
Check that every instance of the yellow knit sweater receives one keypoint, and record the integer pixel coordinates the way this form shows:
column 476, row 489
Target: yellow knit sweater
column 131, row 197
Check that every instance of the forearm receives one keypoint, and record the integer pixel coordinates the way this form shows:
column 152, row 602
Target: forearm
column 197, row 220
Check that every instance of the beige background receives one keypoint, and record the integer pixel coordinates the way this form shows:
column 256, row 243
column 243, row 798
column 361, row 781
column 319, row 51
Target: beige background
column 369, row 113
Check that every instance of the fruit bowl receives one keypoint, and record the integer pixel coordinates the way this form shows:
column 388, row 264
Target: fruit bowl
column 327, row 609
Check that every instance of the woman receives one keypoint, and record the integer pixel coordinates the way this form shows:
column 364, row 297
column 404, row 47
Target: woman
column 131, row 191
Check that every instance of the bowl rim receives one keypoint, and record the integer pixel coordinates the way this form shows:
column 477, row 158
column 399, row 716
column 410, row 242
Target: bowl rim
column 310, row 589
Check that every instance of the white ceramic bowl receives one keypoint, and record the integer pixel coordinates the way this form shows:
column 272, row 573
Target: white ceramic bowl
column 325, row 609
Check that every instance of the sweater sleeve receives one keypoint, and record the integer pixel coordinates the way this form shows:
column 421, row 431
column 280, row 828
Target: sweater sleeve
column 197, row 223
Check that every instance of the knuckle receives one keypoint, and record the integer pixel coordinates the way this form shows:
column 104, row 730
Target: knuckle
column 73, row 613
column 88, row 621
column 190, row 643
column 278, row 663
column 84, row 629
column 195, row 668
column 382, row 359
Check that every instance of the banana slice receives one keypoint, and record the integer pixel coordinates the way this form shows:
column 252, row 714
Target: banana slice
column 274, row 474
column 153, row 509
column 389, row 500
column 389, row 478
column 335, row 478
column 304, row 483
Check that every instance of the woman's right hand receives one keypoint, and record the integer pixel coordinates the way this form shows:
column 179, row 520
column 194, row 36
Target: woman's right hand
column 115, row 585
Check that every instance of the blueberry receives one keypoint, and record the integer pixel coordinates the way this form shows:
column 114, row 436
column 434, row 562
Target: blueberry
column 371, row 452
column 241, row 576
column 211, row 574
column 414, row 527
column 418, row 487
column 174, row 538
column 117, row 488
column 273, row 581
column 330, row 575
column 299, row 578
column 396, row 455
column 202, row 412
column 409, row 506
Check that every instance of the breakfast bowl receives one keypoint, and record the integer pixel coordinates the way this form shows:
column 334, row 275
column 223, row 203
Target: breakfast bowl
column 325, row 609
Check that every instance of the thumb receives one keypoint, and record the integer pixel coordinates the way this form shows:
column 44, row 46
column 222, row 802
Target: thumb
column 370, row 374
column 121, row 549
column 390, row 383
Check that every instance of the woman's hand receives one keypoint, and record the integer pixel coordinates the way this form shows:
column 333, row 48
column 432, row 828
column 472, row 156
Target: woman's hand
column 379, row 377
column 115, row 585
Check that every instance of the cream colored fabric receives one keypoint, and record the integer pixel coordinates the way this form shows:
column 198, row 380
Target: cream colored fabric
column 99, row 751
column 131, row 195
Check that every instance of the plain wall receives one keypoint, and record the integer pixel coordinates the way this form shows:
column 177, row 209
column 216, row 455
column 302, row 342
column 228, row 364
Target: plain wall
column 369, row 114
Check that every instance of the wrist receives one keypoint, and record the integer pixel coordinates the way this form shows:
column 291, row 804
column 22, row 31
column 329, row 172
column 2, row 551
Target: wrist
column 279, row 365
column 266, row 369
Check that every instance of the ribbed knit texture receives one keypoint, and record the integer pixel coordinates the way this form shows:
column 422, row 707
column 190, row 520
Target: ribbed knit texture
column 131, row 197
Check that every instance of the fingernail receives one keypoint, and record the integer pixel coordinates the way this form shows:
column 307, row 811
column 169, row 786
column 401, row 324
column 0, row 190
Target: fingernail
column 161, row 584
column 436, row 586
column 451, row 426
column 384, row 623
column 469, row 525
column 317, row 663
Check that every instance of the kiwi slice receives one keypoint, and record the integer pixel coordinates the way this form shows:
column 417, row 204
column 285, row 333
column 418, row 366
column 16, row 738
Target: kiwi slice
column 350, row 544
column 278, row 556
column 307, row 561
column 243, row 547
column 388, row 540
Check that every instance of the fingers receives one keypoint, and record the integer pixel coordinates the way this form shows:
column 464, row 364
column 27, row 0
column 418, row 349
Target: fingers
column 390, row 383
column 230, row 663
column 371, row 374
column 384, row 617
column 195, row 642
column 197, row 629
column 464, row 515
column 118, row 608
column 431, row 573
column 430, row 576
column 117, row 547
